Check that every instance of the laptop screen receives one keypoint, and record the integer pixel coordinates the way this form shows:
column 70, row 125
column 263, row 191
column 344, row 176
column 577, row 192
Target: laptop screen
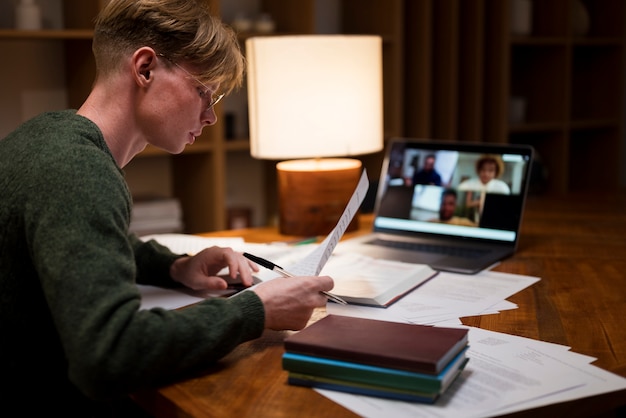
column 472, row 190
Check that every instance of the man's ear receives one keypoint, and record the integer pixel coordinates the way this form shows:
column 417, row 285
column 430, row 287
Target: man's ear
column 143, row 62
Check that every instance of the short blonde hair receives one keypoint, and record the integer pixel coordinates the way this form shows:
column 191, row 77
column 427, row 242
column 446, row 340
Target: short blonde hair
column 181, row 30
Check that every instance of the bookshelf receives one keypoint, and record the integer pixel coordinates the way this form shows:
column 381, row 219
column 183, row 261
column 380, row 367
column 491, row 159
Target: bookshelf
column 469, row 67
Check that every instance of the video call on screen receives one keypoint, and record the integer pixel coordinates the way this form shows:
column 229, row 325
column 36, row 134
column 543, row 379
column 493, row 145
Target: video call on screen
column 457, row 190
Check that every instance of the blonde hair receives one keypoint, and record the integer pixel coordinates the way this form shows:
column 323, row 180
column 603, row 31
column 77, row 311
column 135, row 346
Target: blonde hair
column 181, row 30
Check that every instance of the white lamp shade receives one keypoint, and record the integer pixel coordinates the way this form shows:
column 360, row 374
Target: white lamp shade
column 314, row 95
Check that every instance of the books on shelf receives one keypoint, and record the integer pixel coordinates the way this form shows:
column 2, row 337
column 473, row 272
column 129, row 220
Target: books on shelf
column 156, row 216
column 402, row 361
column 412, row 347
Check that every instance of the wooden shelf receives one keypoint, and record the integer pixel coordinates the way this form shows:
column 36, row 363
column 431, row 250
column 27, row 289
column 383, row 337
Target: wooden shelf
column 46, row 34
column 535, row 127
column 578, row 125
column 598, row 42
column 537, row 41
column 237, row 144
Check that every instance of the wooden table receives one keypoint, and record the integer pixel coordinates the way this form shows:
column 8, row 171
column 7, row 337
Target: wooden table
column 575, row 244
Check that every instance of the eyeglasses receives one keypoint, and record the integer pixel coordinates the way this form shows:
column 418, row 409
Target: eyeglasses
column 203, row 93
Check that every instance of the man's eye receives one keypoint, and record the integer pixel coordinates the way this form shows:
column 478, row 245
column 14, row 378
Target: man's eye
column 202, row 93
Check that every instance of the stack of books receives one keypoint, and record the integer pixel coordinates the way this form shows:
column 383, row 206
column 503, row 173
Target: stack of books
column 408, row 362
column 156, row 216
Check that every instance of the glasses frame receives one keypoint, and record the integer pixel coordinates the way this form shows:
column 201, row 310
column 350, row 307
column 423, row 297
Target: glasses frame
column 214, row 99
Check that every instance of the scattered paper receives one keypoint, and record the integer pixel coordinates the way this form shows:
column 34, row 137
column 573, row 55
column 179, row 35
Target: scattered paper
column 505, row 374
column 449, row 296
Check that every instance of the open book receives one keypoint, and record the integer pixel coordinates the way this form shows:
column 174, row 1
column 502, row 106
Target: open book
column 368, row 281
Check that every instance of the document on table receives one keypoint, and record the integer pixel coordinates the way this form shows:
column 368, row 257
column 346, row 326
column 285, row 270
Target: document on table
column 448, row 297
column 459, row 295
column 504, row 374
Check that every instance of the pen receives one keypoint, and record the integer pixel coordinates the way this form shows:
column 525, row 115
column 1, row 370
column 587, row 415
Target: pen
column 278, row 269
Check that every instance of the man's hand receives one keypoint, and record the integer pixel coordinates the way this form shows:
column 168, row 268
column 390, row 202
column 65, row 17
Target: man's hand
column 289, row 301
column 200, row 271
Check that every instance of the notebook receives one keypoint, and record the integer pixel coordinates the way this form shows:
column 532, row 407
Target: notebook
column 463, row 215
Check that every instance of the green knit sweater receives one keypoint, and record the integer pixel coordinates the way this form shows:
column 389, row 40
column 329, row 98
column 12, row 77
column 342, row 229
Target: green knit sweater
column 70, row 325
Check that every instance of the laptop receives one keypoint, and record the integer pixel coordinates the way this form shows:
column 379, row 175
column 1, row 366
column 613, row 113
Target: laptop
column 455, row 206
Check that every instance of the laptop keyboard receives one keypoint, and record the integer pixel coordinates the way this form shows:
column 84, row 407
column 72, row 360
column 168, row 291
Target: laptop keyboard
column 430, row 248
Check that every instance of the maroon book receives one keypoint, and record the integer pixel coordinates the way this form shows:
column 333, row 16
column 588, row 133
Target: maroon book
column 412, row 347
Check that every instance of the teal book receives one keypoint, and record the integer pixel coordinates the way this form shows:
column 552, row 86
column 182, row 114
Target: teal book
column 374, row 375
column 362, row 388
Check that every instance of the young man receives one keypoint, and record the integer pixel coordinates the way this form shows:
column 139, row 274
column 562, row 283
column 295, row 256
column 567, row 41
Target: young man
column 447, row 209
column 73, row 337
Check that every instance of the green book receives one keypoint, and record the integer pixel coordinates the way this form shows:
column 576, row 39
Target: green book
column 339, row 385
column 382, row 377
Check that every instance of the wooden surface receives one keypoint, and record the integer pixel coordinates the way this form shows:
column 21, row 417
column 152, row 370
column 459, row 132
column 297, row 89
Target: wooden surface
column 576, row 245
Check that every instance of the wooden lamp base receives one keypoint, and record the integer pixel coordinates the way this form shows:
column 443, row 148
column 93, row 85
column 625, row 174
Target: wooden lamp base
column 314, row 193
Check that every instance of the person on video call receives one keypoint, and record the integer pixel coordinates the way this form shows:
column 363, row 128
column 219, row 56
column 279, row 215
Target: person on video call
column 427, row 174
column 488, row 168
column 73, row 335
column 447, row 209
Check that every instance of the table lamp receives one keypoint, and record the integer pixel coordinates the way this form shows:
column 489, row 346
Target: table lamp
column 311, row 97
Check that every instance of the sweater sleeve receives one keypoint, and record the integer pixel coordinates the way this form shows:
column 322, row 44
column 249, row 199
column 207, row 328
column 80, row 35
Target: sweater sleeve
column 153, row 262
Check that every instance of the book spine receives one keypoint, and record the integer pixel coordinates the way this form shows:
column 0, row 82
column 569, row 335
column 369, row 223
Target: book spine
column 361, row 373
column 361, row 390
